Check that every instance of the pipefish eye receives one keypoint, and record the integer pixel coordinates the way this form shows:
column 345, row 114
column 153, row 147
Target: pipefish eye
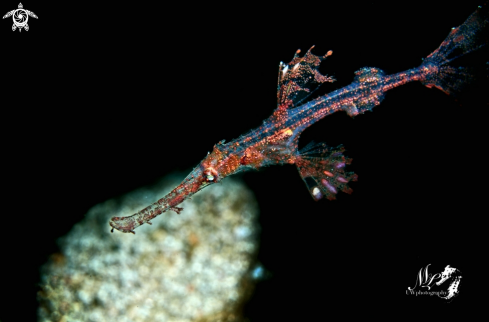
column 210, row 175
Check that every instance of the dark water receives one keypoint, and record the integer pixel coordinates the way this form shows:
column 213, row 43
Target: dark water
column 100, row 100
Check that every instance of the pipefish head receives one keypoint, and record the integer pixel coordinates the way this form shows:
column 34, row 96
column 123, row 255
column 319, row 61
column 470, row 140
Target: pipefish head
column 213, row 168
column 123, row 224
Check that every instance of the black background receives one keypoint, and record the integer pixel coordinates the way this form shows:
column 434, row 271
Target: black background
column 98, row 100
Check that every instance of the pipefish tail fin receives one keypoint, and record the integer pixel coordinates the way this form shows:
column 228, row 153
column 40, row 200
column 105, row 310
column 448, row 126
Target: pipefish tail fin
column 323, row 170
column 469, row 39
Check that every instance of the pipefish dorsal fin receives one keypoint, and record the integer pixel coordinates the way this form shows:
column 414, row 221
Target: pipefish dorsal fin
column 299, row 78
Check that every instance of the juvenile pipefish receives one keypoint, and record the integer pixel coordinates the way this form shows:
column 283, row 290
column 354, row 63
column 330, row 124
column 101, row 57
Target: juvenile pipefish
column 322, row 168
